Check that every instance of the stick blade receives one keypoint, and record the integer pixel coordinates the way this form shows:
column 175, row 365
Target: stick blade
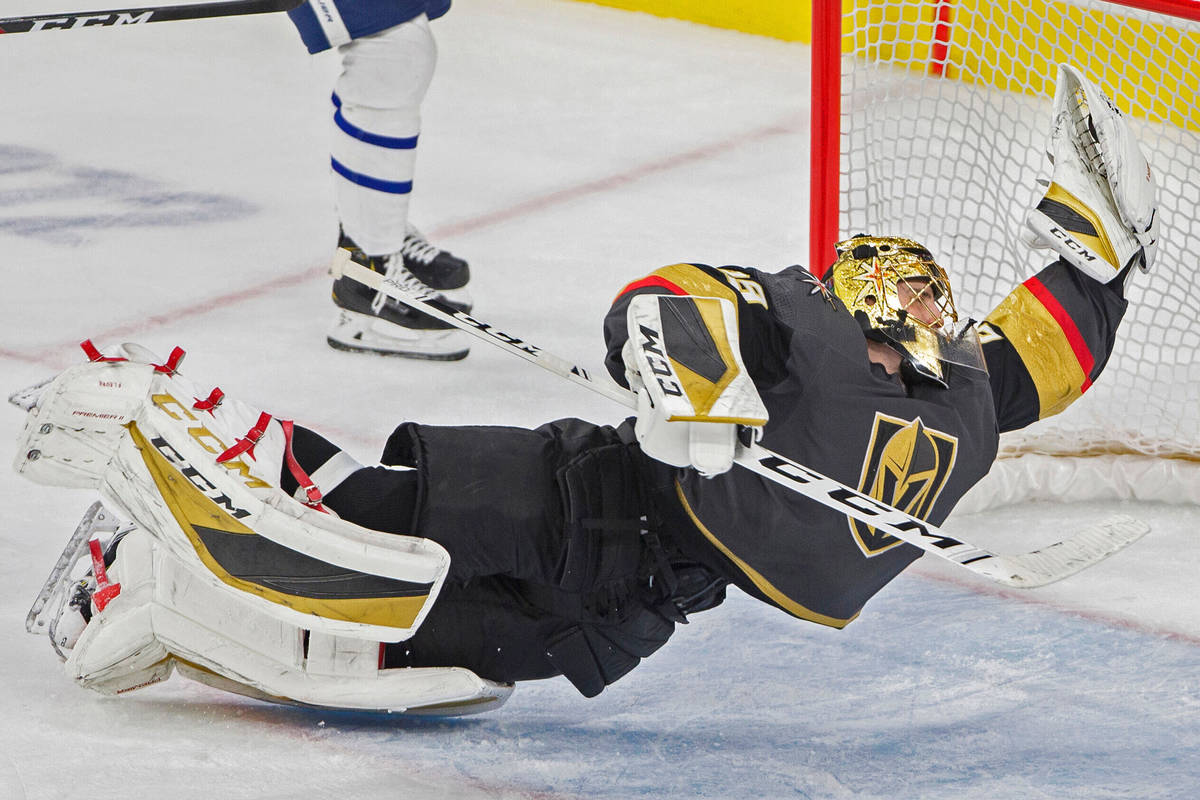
column 1062, row 559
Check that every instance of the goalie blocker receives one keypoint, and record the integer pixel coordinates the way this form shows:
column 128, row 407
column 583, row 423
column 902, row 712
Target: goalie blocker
column 683, row 361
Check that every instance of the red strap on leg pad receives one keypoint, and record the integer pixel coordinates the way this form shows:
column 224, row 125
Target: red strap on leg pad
column 311, row 492
column 211, row 402
column 246, row 443
column 105, row 591
column 171, row 366
column 93, row 353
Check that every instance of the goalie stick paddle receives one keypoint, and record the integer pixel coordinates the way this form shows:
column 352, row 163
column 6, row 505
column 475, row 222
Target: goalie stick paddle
column 1025, row 570
column 69, row 20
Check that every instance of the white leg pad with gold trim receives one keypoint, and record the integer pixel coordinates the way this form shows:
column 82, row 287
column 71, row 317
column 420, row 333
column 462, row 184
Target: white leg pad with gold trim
column 168, row 615
column 143, row 438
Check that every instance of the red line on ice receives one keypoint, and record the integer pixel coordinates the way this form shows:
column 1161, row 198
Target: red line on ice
column 52, row 355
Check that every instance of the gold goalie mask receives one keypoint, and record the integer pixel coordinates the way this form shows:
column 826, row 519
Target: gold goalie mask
column 900, row 296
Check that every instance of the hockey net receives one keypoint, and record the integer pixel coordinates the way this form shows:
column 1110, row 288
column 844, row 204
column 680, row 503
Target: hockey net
column 936, row 116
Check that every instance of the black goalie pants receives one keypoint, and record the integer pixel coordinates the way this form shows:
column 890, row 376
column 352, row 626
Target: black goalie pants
column 550, row 571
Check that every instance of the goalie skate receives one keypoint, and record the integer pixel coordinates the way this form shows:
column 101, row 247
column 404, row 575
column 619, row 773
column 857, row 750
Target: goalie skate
column 62, row 608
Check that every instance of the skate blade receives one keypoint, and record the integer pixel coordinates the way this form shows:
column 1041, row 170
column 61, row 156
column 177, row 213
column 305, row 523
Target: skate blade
column 97, row 519
column 355, row 332
column 456, row 355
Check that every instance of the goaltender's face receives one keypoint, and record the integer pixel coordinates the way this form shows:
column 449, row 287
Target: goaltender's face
column 918, row 297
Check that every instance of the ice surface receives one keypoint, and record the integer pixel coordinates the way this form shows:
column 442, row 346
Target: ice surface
column 168, row 184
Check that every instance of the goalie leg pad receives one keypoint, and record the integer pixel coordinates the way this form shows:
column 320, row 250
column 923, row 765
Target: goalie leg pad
column 118, row 651
column 73, row 430
column 202, row 478
column 169, row 615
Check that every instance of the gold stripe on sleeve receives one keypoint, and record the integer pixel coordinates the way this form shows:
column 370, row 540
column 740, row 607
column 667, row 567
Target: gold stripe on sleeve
column 1043, row 347
column 696, row 281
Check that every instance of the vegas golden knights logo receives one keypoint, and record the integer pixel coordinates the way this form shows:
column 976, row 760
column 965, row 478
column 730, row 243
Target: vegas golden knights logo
column 907, row 465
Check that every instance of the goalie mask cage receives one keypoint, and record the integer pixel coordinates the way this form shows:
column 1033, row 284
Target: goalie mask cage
column 931, row 119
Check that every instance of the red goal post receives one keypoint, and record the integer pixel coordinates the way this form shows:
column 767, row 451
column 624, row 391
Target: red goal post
column 930, row 119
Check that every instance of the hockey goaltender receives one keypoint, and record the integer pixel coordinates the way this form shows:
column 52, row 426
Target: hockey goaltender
column 254, row 555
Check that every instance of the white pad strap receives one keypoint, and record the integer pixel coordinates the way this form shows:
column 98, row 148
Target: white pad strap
column 330, row 475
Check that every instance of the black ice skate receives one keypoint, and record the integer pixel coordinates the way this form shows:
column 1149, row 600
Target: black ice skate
column 369, row 322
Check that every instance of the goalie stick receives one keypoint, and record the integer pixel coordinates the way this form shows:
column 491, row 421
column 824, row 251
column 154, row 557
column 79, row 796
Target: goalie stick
column 70, row 20
column 1025, row 570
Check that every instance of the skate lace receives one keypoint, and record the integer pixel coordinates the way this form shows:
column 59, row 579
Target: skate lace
column 417, row 248
column 398, row 274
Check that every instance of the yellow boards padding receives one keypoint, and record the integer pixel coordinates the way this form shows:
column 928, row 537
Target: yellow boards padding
column 1006, row 44
column 790, row 20
column 1017, row 45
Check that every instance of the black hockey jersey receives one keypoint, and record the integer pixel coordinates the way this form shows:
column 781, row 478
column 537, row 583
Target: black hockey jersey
column 918, row 447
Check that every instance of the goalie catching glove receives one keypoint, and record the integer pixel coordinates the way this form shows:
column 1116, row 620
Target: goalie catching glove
column 1100, row 211
column 683, row 361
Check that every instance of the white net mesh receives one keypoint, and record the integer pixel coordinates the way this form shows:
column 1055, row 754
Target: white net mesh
column 955, row 160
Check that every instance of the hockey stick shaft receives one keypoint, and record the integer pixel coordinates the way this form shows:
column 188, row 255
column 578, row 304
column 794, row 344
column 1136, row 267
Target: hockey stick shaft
column 1024, row 571
column 140, row 16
